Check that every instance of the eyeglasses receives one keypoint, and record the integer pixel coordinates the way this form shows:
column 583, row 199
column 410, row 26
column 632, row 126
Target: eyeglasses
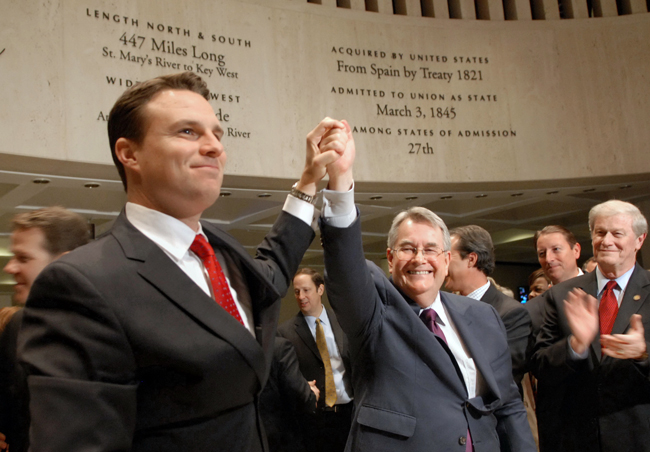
column 407, row 253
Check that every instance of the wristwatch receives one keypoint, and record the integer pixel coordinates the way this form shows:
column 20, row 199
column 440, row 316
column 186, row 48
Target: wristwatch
column 301, row 195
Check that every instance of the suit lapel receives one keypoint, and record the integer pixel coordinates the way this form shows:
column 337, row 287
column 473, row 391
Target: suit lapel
column 303, row 331
column 462, row 317
column 636, row 295
column 161, row 272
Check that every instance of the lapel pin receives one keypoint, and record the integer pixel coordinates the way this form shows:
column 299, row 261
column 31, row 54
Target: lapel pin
column 637, row 297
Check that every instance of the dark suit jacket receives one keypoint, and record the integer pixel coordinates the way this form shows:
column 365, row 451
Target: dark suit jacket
column 517, row 322
column 286, row 396
column 126, row 353
column 408, row 394
column 14, row 398
column 599, row 403
column 297, row 331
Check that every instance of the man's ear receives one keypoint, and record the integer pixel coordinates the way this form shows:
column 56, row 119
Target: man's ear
column 321, row 289
column 389, row 256
column 125, row 153
column 472, row 258
column 576, row 250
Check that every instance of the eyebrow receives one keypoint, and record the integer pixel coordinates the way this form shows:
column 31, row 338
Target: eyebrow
column 217, row 129
column 426, row 245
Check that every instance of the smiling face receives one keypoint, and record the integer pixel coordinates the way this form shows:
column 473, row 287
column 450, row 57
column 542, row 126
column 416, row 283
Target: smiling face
column 420, row 278
column 29, row 258
column 557, row 258
column 308, row 296
column 178, row 167
column 615, row 244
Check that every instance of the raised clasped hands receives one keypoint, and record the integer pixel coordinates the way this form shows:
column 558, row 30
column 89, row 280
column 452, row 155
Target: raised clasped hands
column 330, row 150
column 582, row 314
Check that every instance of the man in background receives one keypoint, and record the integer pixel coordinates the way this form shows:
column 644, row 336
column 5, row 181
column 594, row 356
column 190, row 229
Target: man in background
column 591, row 356
column 472, row 261
column 37, row 238
column 558, row 252
column 323, row 356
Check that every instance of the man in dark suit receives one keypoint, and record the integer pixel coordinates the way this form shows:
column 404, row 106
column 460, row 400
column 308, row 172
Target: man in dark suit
column 443, row 381
column 327, row 429
column 591, row 355
column 159, row 335
column 472, row 261
column 38, row 238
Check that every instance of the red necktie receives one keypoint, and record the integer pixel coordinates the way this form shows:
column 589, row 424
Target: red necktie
column 220, row 288
column 428, row 316
column 608, row 308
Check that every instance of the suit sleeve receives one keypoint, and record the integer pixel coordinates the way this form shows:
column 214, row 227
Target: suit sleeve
column 350, row 285
column 80, row 367
column 281, row 251
column 551, row 361
column 291, row 382
column 517, row 323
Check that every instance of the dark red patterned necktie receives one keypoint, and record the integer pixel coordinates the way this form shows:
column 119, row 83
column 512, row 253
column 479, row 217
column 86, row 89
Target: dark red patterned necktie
column 608, row 308
column 220, row 288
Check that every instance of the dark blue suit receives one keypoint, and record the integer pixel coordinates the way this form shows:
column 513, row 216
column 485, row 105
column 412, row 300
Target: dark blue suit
column 408, row 394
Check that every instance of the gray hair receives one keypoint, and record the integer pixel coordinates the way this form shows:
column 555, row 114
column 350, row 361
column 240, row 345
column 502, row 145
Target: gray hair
column 419, row 215
column 616, row 207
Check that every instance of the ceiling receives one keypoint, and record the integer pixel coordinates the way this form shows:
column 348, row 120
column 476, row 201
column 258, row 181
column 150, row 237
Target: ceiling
column 510, row 211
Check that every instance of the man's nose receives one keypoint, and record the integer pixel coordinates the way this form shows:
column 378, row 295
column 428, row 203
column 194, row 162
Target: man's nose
column 11, row 268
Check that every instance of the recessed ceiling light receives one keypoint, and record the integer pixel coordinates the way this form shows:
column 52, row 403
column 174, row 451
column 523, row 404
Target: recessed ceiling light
column 411, row 198
column 376, row 198
column 481, row 196
column 264, row 195
column 517, row 194
column 446, row 197
column 41, row 181
column 223, row 194
column 91, row 185
column 588, row 190
column 624, row 187
column 554, row 192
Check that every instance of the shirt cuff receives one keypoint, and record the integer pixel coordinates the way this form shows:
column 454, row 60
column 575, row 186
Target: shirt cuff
column 572, row 353
column 299, row 209
column 338, row 208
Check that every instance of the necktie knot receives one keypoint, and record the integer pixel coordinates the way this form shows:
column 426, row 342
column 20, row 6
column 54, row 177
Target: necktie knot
column 201, row 247
column 429, row 317
column 608, row 308
column 611, row 285
column 220, row 287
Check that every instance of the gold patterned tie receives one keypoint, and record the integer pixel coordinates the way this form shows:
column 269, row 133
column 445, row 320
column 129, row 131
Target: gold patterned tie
column 330, row 388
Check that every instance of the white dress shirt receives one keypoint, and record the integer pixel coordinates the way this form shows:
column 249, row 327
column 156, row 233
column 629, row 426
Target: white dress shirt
column 478, row 293
column 175, row 238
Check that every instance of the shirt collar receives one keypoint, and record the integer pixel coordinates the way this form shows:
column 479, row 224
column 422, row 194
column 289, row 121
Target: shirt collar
column 441, row 312
column 478, row 293
column 322, row 317
column 621, row 280
column 169, row 233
